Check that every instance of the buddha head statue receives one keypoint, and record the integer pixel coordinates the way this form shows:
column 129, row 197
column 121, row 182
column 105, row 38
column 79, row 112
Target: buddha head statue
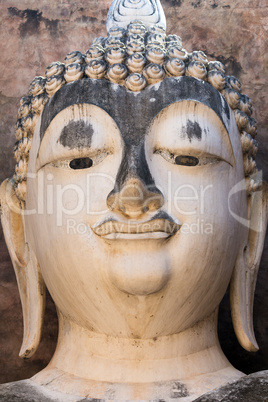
column 136, row 202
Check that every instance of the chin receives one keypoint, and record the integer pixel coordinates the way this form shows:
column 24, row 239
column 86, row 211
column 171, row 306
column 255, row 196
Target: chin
column 138, row 266
column 140, row 277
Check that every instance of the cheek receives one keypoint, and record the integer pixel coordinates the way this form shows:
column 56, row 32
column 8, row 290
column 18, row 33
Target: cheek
column 201, row 199
column 193, row 191
column 82, row 194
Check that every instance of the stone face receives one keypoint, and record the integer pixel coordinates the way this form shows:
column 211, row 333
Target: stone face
column 33, row 34
column 129, row 252
column 250, row 388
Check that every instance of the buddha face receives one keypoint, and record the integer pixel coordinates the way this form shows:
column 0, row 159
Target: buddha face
column 128, row 204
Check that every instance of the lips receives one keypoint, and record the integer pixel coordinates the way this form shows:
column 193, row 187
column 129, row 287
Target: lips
column 155, row 228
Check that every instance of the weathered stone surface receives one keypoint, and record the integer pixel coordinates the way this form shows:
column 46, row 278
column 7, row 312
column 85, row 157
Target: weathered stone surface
column 251, row 389
column 28, row 391
column 33, row 34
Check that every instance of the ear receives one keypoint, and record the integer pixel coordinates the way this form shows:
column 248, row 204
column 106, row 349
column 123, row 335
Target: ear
column 29, row 278
column 242, row 286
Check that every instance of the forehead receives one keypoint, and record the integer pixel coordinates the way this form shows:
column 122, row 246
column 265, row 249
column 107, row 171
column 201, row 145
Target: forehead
column 133, row 112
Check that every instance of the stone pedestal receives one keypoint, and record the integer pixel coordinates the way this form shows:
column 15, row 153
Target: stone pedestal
column 250, row 388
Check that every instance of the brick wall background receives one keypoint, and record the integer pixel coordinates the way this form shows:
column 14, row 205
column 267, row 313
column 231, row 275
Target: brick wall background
column 35, row 33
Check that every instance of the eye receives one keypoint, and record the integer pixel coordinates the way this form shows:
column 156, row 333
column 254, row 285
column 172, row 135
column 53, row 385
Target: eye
column 81, row 163
column 186, row 160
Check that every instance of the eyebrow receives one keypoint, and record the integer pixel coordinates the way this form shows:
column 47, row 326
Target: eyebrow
column 133, row 112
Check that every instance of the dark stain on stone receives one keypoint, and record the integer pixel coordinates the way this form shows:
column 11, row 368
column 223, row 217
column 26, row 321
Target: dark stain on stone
column 201, row 32
column 232, row 66
column 192, row 130
column 13, row 11
column 32, row 20
column 250, row 388
column 122, row 173
column 84, row 19
column 226, row 109
column 52, row 26
column 227, row 6
column 214, row 4
column 127, row 108
column 77, row 134
column 143, row 171
column 179, row 390
column 177, row 2
column 134, row 165
column 31, row 23
column 196, row 3
column 64, row 12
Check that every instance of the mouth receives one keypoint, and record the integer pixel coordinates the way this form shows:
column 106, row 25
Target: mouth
column 156, row 228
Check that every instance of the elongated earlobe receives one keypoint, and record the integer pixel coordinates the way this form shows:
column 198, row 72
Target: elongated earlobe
column 246, row 270
column 28, row 275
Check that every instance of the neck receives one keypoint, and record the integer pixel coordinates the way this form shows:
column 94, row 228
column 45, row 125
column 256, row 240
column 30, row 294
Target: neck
column 137, row 368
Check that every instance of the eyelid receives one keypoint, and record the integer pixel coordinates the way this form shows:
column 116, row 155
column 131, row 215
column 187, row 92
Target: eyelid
column 64, row 163
column 205, row 158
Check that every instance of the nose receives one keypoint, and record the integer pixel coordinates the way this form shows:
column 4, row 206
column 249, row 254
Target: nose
column 134, row 199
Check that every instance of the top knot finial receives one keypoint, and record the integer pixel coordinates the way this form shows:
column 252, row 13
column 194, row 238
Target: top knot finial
column 122, row 12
